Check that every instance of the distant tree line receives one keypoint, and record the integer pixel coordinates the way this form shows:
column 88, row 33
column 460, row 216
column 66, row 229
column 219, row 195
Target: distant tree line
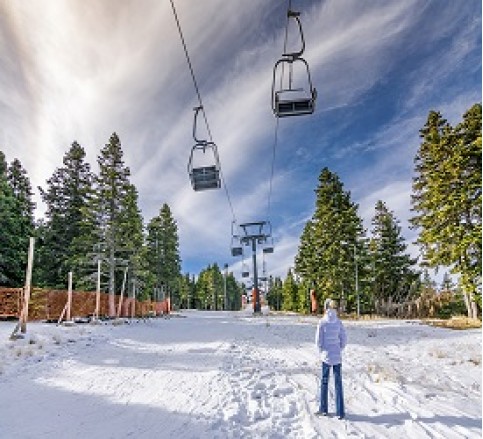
column 94, row 218
column 446, row 206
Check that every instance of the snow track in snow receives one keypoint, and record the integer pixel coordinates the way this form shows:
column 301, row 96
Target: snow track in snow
column 229, row 375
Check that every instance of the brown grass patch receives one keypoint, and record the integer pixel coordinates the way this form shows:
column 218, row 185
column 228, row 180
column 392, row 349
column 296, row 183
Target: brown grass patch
column 362, row 317
column 456, row 322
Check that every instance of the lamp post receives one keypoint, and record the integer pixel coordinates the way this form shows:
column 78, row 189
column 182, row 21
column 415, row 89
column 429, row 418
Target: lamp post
column 357, row 284
column 224, row 286
column 356, row 278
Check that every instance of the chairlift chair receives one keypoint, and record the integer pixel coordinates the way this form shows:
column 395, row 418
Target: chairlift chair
column 206, row 176
column 245, row 272
column 236, row 250
column 268, row 249
column 293, row 101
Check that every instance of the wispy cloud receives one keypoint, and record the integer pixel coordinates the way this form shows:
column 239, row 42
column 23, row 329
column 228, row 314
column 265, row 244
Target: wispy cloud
column 71, row 70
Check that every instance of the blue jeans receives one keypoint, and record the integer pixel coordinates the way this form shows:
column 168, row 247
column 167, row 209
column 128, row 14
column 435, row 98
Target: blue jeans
column 324, row 389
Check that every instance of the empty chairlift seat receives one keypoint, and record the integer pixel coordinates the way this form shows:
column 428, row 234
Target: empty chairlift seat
column 287, row 100
column 293, row 101
column 203, row 164
column 237, row 251
column 205, row 177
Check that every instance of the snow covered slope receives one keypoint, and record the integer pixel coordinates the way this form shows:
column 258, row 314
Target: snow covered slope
column 231, row 375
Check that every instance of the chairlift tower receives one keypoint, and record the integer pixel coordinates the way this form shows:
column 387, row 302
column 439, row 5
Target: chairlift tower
column 252, row 234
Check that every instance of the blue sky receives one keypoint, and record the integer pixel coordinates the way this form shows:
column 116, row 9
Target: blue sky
column 75, row 70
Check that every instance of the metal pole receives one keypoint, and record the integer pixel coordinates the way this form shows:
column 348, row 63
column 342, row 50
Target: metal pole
column 357, row 284
column 98, row 290
column 112, row 268
column 224, row 287
column 255, row 276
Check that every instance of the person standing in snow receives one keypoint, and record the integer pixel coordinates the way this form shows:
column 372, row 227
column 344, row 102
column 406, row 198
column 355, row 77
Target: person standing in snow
column 330, row 340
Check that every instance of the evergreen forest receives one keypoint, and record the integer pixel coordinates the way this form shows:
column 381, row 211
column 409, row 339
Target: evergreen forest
column 93, row 221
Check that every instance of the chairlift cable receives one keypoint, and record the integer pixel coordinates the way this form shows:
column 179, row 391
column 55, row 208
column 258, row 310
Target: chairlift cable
column 285, row 41
column 274, row 149
column 195, row 83
column 275, row 142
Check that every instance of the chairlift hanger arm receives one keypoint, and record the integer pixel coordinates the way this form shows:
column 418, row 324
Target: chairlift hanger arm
column 197, row 110
column 291, row 62
column 296, row 54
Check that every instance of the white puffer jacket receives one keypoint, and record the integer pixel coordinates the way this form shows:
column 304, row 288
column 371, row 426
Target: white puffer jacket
column 330, row 338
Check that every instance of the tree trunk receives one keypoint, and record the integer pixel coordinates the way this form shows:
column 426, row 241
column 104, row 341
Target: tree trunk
column 473, row 307
column 467, row 303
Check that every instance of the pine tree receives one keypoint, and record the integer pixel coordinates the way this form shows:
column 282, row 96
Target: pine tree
column 13, row 232
column 163, row 258
column 205, row 288
column 447, row 198
column 393, row 267
column 131, row 233
column 233, row 293
column 67, row 194
column 290, row 293
column 22, row 190
column 303, row 297
column 111, row 220
column 218, row 287
column 325, row 259
column 447, row 283
column 275, row 296
column 184, row 292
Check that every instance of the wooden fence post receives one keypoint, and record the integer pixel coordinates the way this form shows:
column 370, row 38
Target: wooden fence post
column 69, row 297
column 28, row 282
column 22, row 321
column 122, row 293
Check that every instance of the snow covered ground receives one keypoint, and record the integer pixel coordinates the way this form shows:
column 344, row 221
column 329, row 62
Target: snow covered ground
column 231, row 375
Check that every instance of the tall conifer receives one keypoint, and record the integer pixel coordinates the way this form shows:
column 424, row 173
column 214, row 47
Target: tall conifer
column 447, row 198
column 325, row 259
column 393, row 267
column 14, row 232
column 163, row 257
column 66, row 195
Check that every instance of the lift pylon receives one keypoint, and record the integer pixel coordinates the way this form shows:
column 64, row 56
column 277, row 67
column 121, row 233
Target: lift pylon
column 254, row 233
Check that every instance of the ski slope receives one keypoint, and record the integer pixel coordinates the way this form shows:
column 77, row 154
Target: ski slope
column 231, row 375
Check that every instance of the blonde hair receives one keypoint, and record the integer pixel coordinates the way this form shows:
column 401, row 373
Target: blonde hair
column 330, row 304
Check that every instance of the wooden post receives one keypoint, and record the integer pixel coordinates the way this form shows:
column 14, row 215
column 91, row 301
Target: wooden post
column 28, row 281
column 22, row 321
column 69, row 298
column 122, row 293
column 62, row 314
